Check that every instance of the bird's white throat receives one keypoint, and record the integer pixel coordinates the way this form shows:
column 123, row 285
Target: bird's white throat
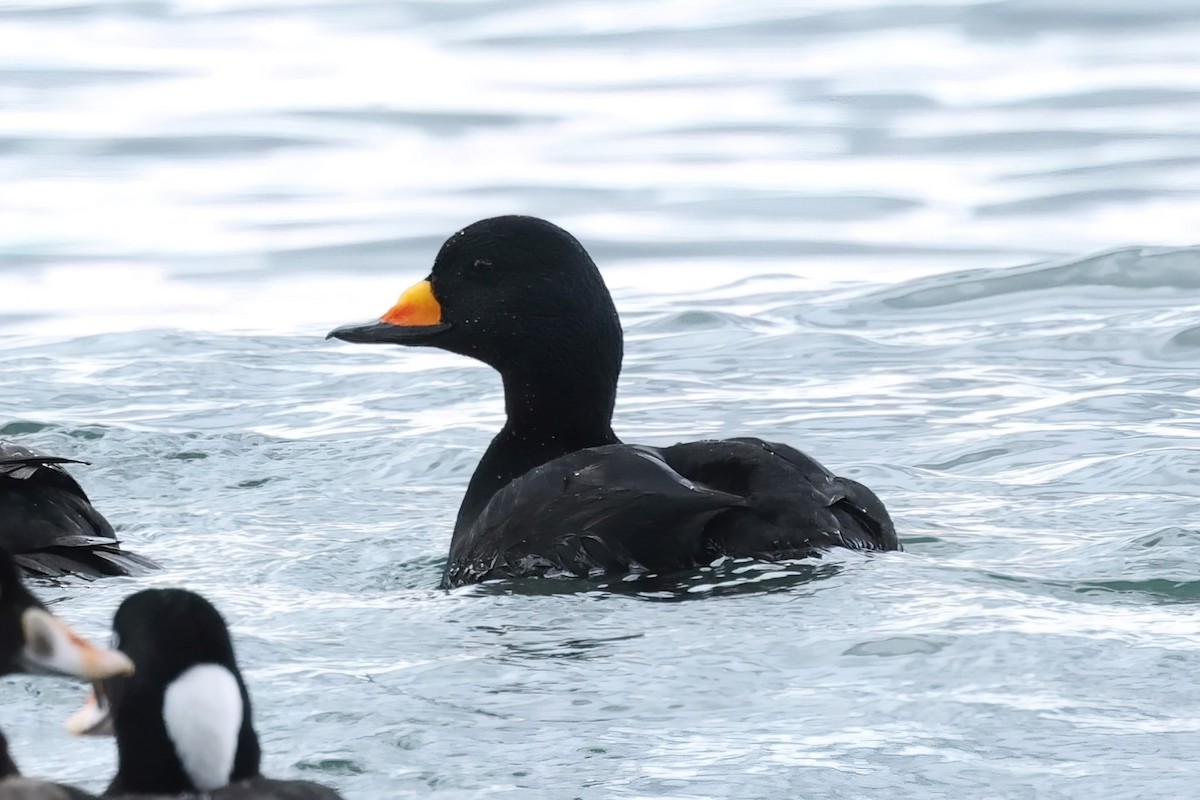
column 202, row 711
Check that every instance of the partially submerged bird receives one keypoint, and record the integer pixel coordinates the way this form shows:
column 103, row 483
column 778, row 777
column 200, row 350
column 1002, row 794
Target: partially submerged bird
column 183, row 721
column 557, row 493
column 48, row 523
column 33, row 640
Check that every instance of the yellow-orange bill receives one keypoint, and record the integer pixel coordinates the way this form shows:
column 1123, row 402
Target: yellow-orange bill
column 417, row 307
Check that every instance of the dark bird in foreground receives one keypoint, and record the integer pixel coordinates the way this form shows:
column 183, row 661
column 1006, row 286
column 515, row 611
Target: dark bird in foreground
column 33, row 640
column 183, row 720
column 48, row 523
column 557, row 493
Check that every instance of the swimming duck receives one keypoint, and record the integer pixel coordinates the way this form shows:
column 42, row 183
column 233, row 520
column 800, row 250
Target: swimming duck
column 183, row 720
column 33, row 640
column 556, row 492
column 48, row 523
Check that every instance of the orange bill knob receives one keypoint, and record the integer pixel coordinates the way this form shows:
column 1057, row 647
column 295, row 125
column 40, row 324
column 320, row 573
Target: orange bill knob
column 417, row 307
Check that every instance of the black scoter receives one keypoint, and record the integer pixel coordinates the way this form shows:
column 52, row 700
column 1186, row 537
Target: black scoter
column 557, row 493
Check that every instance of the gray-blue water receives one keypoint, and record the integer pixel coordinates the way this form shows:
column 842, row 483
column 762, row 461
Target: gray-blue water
column 943, row 247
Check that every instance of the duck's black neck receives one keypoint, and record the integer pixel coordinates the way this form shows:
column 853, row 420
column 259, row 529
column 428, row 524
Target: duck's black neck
column 544, row 422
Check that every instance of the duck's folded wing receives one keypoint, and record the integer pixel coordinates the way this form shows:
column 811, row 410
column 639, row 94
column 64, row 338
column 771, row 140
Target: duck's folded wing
column 604, row 510
column 48, row 523
column 793, row 507
column 866, row 522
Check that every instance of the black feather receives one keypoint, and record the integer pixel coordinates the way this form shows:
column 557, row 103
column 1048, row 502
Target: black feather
column 49, row 524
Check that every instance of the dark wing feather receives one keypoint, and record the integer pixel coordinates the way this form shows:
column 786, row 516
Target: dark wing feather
column 628, row 508
column 794, row 506
column 48, row 523
column 611, row 509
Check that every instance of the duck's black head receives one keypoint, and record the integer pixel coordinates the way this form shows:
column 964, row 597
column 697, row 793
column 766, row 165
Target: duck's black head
column 183, row 720
column 34, row 640
column 523, row 296
column 518, row 293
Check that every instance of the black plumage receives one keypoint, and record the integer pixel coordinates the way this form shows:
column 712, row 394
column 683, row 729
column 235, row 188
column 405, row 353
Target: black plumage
column 48, row 523
column 557, row 492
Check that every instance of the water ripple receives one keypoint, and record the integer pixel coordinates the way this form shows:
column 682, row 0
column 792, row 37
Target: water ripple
column 860, row 228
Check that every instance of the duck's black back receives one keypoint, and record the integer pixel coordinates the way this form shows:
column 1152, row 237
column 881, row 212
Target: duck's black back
column 622, row 508
column 601, row 510
column 48, row 523
column 794, row 507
